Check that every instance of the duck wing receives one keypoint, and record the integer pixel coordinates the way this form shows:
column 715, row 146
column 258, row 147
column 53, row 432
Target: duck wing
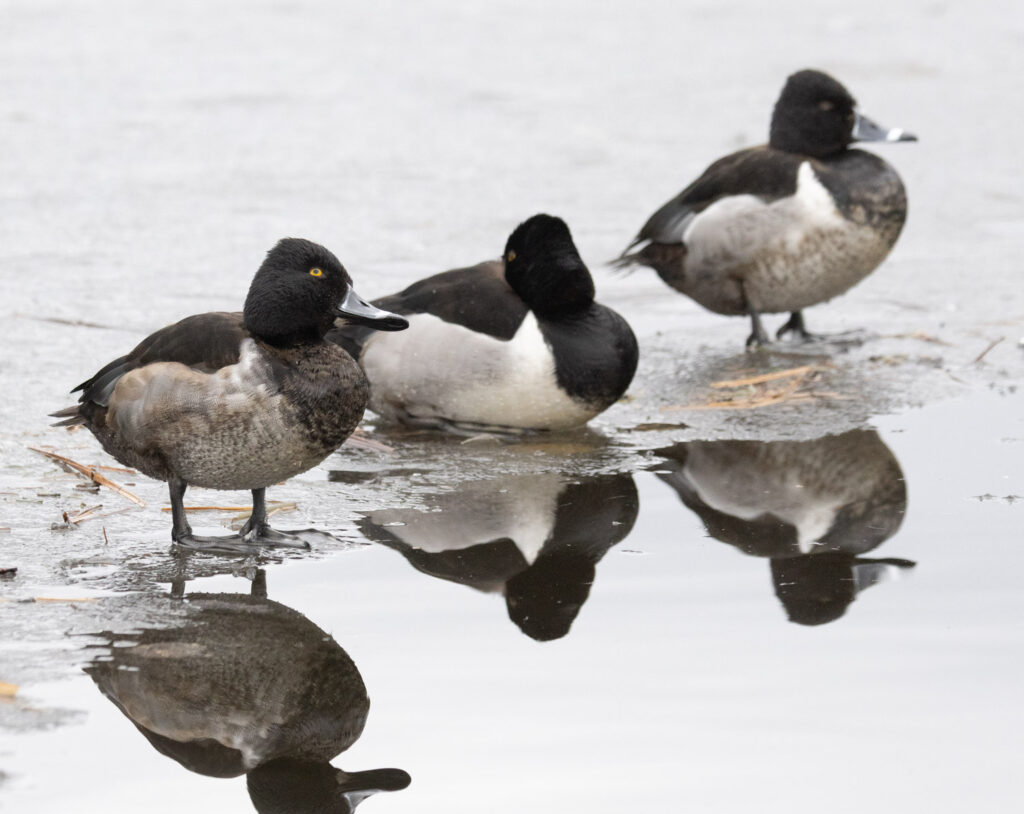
column 204, row 342
column 477, row 298
column 761, row 173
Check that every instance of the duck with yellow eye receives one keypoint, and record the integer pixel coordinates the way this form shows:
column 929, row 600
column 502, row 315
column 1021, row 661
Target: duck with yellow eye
column 239, row 400
column 508, row 345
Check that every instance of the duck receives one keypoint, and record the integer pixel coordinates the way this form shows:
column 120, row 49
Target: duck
column 781, row 227
column 813, row 507
column 238, row 400
column 535, row 539
column 513, row 345
column 229, row 684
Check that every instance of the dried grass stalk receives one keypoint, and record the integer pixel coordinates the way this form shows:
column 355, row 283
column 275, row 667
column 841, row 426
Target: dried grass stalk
column 89, row 472
column 764, row 390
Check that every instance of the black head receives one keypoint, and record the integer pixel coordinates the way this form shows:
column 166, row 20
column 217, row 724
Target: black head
column 300, row 290
column 815, row 588
column 544, row 268
column 289, row 786
column 813, row 116
column 545, row 599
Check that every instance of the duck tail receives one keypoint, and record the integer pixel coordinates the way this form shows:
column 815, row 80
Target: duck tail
column 626, row 263
column 72, row 416
column 665, row 258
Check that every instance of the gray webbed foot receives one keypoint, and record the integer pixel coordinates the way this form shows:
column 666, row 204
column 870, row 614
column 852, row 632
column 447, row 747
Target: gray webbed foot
column 758, row 338
column 248, row 541
column 254, row 535
column 261, row 534
column 795, row 325
column 226, row 544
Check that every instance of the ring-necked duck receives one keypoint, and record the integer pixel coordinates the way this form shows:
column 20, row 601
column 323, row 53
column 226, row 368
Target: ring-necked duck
column 514, row 344
column 239, row 400
column 781, row 227
column 230, row 684
column 535, row 538
column 815, row 508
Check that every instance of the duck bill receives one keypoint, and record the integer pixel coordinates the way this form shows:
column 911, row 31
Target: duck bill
column 357, row 786
column 354, row 310
column 868, row 572
column 866, row 130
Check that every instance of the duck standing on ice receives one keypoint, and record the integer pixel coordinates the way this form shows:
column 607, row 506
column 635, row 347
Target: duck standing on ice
column 786, row 225
column 239, row 400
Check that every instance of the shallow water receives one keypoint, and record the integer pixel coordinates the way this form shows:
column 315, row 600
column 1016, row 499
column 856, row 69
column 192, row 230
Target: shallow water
column 694, row 655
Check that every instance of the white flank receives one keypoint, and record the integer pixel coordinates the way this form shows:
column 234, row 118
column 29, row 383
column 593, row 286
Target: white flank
column 809, row 511
column 435, row 369
column 521, row 508
column 738, row 228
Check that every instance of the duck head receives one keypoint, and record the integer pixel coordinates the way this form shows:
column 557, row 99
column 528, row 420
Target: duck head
column 544, row 268
column 300, row 290
column 815, row 115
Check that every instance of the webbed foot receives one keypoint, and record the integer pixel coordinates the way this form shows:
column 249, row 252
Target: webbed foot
column 254, row 535
column 795, row 325
column 754, row 341
column 226, row 544
column 259, row 533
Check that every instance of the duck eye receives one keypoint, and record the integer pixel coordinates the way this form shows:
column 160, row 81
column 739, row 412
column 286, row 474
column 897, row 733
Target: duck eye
column 316, row 272
column 826, row 105
column 511, row 256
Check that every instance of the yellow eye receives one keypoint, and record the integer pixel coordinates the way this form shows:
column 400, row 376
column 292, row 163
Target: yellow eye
column 316, row 272
column 511, row 256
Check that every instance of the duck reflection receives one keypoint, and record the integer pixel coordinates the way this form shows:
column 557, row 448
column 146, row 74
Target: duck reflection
column 248, row 686
column 534, row 538
column 812, row 507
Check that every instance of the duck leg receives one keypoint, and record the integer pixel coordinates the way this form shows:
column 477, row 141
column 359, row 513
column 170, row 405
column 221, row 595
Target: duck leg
column 258, row 589
column 258, row 531
column 181, row 531
column 758, row 335
column 254, row 534
column 180, row 528
column 795, row 325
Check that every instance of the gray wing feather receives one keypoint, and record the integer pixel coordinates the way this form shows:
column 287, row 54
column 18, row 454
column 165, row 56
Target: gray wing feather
column 760, row 171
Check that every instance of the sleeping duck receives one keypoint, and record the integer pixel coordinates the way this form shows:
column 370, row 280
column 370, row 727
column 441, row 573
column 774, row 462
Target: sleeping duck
column 509, row 345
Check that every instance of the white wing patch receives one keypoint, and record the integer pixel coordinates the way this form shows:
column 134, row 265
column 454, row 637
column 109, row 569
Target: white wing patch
column 436, row 369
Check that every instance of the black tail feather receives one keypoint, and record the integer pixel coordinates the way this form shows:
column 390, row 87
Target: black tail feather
column 71, row 415
column 626, row 263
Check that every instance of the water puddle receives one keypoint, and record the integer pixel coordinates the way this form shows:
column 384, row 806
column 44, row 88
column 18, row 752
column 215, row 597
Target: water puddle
column 833, row 601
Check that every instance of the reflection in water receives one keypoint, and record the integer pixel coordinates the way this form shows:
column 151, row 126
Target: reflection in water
column 535, row 538
column 813, row 507
column 248, row 686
